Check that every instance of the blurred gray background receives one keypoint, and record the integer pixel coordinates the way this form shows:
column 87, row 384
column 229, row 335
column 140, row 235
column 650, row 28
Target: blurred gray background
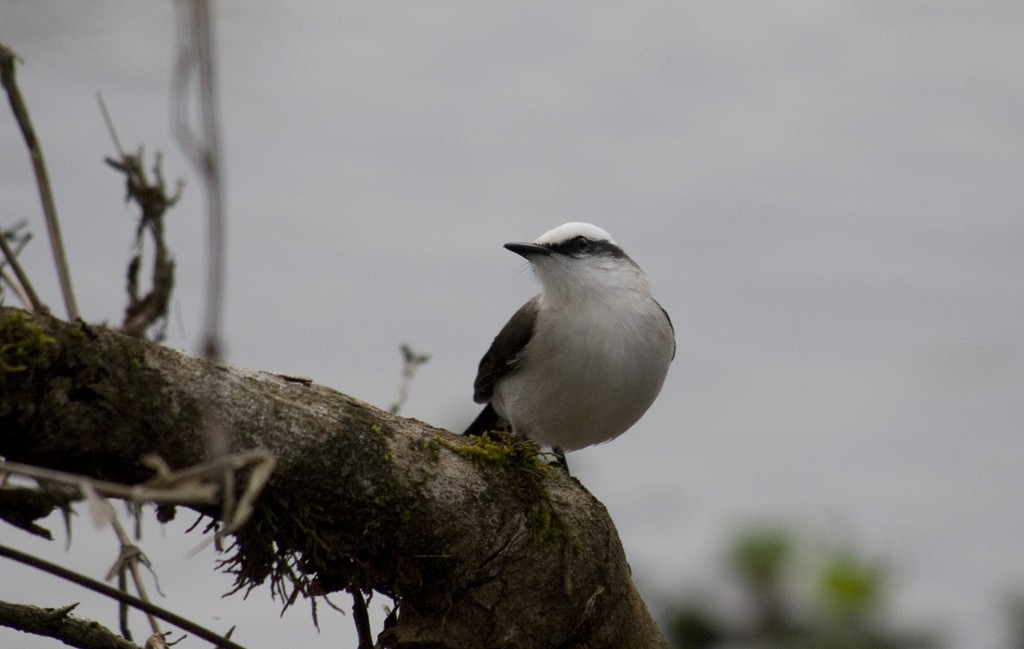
column 827, row 197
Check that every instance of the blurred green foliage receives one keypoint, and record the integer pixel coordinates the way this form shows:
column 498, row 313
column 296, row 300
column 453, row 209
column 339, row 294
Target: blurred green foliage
column 792, row 601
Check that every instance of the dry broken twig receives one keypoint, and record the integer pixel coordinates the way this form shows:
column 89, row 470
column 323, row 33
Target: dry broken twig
column 412, row 363
column 20, row 284
column 195, row 60
column 195, row 485
column 128, row 560
column 153, row 200
column 7, row 78
column 109, row 591
column 60, row 624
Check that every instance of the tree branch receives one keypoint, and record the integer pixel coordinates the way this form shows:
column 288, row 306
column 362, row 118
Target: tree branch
column 25, row 285
column 118, row 595
column 153, row 202
column 35, row 150
column 479, row 543
column 57, row 623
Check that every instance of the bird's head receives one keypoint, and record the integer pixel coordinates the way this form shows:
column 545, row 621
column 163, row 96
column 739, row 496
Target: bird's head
column 577, row 259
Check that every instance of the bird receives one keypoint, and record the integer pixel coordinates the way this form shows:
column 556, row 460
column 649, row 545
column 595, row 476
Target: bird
column 583, row 360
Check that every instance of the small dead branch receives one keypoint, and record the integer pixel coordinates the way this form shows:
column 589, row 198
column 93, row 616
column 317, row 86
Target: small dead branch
column 19, row 282
column 59, row 624
column 153, row 200
column 9, row 278
column 20, row 110
column 412, row 363
column 193, row 495
column 195, row 61
column 113, row 593
column 260, row 463
column 128, row 561
column 196, row 485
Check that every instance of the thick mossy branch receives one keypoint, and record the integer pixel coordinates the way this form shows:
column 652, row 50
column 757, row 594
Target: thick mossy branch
column 479, row 543
column 73, row 377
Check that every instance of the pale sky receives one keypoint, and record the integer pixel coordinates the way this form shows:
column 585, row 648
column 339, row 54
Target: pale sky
column 827, row 198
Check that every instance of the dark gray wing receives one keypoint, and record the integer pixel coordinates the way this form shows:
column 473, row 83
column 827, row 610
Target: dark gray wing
column 504, row 354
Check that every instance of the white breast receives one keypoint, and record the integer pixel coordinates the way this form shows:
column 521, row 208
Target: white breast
column 590, row 372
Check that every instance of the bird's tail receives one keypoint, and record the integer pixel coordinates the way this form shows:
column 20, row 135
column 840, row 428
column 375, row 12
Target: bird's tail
column 487, row 420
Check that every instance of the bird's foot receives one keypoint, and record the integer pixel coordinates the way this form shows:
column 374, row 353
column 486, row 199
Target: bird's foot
column 558, row 459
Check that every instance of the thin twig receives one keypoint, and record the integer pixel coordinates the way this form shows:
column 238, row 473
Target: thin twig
column 59, row 624
column 109, row 591
column 412, row 363
column 7, row 78
column 12, row 282
column 122, row 608
column 128, row 560
column 153, row 201
column 12, row 260
column 110, row 124
column 196, row 57
column 194, row 495
column 193, row 485
column 167, row 487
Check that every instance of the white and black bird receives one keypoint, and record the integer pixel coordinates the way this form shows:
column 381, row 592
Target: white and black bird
column 582, row 361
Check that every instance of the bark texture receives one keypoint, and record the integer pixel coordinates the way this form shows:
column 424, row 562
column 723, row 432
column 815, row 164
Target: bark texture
column 480, row 544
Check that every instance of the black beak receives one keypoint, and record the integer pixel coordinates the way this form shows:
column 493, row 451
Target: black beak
column 528, row 249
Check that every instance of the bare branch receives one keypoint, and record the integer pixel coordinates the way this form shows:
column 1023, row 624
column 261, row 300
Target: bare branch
column 412, row 363
column 12, row 282
column 153, row 201
column 196, row 57
column 58, row 623
column 25, row 285
column 128, row 560
column 7, row 78
column 110, row 124
column 186, row 487
column 113, row 593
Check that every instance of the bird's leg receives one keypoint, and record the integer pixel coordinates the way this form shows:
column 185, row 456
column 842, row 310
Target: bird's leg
column 560, row 459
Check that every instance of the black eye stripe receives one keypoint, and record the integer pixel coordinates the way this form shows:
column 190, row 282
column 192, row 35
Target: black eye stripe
column 581, row 245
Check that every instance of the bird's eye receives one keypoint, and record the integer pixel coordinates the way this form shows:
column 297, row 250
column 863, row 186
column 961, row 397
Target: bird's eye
column 579, row 243
column 574, row 247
